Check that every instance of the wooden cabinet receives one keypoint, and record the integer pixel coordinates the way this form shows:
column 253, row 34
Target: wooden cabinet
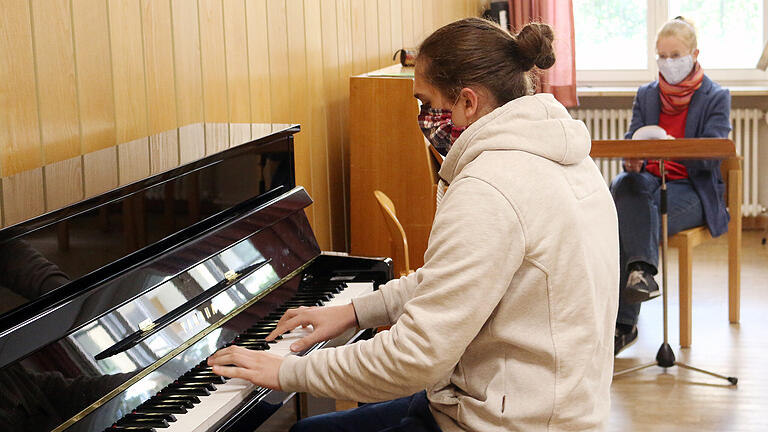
column 388, row 153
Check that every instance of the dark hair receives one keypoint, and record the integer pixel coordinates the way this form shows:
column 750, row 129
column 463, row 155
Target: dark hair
column 474, row 51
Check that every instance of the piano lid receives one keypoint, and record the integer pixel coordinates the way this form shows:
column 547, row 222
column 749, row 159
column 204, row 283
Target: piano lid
column 50, row 258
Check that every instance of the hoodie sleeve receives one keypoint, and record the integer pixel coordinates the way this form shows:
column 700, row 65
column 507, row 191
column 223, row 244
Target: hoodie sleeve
column 384, row 306
column 475, row 247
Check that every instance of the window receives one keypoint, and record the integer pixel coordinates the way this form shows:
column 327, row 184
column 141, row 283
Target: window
column 615, row 39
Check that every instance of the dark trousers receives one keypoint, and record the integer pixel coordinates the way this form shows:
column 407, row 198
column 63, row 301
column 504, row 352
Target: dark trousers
column 637, row 198
column 408, row 414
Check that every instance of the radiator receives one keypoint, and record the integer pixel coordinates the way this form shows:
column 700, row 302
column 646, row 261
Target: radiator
column 613, row 123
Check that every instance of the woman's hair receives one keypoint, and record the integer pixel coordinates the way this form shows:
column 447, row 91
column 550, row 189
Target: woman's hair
column 474, row 51
column 681, row 28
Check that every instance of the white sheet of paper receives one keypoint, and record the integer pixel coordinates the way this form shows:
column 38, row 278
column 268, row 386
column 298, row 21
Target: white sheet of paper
column 651, row 132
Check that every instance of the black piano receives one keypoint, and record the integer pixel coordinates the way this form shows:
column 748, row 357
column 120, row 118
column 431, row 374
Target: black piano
column 109, row 307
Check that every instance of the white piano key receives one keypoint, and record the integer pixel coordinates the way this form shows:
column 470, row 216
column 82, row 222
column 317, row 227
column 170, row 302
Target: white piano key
column 228, row 396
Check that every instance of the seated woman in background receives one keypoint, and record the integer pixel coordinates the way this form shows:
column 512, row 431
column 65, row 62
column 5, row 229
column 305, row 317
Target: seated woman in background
column 686, row 104
column 509, row 323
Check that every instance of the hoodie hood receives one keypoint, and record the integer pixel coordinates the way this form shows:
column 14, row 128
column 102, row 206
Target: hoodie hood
column 536, row 124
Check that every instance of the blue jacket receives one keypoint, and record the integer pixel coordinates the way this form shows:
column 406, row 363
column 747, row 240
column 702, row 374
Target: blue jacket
column 708, row 117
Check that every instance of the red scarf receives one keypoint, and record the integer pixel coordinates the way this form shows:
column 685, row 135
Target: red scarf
column 675, row 98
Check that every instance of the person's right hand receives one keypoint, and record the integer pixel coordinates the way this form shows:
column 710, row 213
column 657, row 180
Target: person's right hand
column 327, row 323
column 633, row 165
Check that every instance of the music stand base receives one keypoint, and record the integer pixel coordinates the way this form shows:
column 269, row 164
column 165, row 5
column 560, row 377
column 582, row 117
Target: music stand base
column 665, row 358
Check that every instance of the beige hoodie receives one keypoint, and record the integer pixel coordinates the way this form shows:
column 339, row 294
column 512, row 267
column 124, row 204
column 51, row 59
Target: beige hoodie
column 509, row 324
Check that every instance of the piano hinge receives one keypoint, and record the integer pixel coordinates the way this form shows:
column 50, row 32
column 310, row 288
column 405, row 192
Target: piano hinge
column 231, row 276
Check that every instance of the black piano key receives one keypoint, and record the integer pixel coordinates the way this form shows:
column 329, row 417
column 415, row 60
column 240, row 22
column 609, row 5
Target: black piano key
column 259, row 333
column 255, row 347
column 264, row 328
column 254, row 338
column 324, row 296
column 187, row 400
column 164, row 416
column 300, row 303
column 161, row 408
column 198, row 383
column 116, row 428
column 197, row 391
column 145, row 422
column 211, row 378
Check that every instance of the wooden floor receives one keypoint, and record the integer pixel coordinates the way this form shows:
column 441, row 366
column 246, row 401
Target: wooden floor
column 681, row 400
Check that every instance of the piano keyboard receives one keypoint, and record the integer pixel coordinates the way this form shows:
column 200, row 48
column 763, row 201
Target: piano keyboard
column 199, row 399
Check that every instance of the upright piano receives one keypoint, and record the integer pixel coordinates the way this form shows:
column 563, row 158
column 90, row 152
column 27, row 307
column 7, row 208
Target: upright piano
column 110, row 307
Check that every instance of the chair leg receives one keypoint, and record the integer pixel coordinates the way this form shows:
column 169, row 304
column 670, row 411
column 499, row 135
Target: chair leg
column 734, row 247
column 686, row 279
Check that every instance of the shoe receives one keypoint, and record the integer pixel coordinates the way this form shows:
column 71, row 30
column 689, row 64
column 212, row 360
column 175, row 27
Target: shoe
column 624, row 337
column 641, row 286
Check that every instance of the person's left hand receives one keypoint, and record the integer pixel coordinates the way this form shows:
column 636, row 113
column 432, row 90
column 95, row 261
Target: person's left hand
column 258, row 367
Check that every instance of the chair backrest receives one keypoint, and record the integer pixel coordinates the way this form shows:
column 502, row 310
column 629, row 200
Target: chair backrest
column 728, row 165
column 396, row 232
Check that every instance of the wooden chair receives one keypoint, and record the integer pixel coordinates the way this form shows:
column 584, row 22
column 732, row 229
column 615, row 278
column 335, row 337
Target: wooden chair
column 396, row 234
column 685, row 241
column 688, row 239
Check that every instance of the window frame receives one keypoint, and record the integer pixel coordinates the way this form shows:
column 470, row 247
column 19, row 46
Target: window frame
column 657, row 15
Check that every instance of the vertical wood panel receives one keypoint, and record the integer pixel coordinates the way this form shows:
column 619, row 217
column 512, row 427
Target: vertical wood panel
column 63, row 183
column 298, row 96
column 371, row 29
column 236, row 43
column 188, row 79
column 128, row 68
column 385, row 32
column 258, row 61
column 335, row 124
column 409, row 40
column 57, row 98
column 214, row 75
column 100, row 171
column 396, row 13
column 280, row 82
column 158, row 49
column 186, row 42
column 163, row 151
column 19, row 124
column 346, row 69
column 94, row 75
column 358, row 36
column 161, row 90
column 133, row 160
column 418, row 22
column 428, row 17
column 318, row 140
column 23, row 196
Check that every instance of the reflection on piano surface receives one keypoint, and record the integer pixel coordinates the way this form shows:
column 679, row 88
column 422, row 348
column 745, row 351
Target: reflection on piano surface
column 109, row 307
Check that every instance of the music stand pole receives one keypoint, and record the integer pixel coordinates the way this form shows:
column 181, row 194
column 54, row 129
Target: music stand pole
column 665, row 357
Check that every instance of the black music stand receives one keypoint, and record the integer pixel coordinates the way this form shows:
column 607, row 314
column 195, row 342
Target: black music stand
column 665, row 357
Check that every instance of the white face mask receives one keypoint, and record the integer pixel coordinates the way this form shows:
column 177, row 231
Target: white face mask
column 675, row 70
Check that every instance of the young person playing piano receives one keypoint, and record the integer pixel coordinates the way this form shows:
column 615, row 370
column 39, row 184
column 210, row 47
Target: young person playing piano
column 686, row 104
column 509, row 323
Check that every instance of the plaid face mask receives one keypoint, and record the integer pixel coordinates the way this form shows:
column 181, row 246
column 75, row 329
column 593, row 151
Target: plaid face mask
column 437, row 126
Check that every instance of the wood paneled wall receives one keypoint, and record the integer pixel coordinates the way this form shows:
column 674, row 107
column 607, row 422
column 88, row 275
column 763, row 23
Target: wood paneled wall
column 89, row 88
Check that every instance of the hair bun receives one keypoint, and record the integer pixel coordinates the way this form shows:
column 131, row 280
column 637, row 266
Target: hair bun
column 534, row 46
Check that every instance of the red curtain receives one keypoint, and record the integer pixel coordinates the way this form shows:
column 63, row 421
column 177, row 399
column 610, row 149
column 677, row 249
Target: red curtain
column 560, row 79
